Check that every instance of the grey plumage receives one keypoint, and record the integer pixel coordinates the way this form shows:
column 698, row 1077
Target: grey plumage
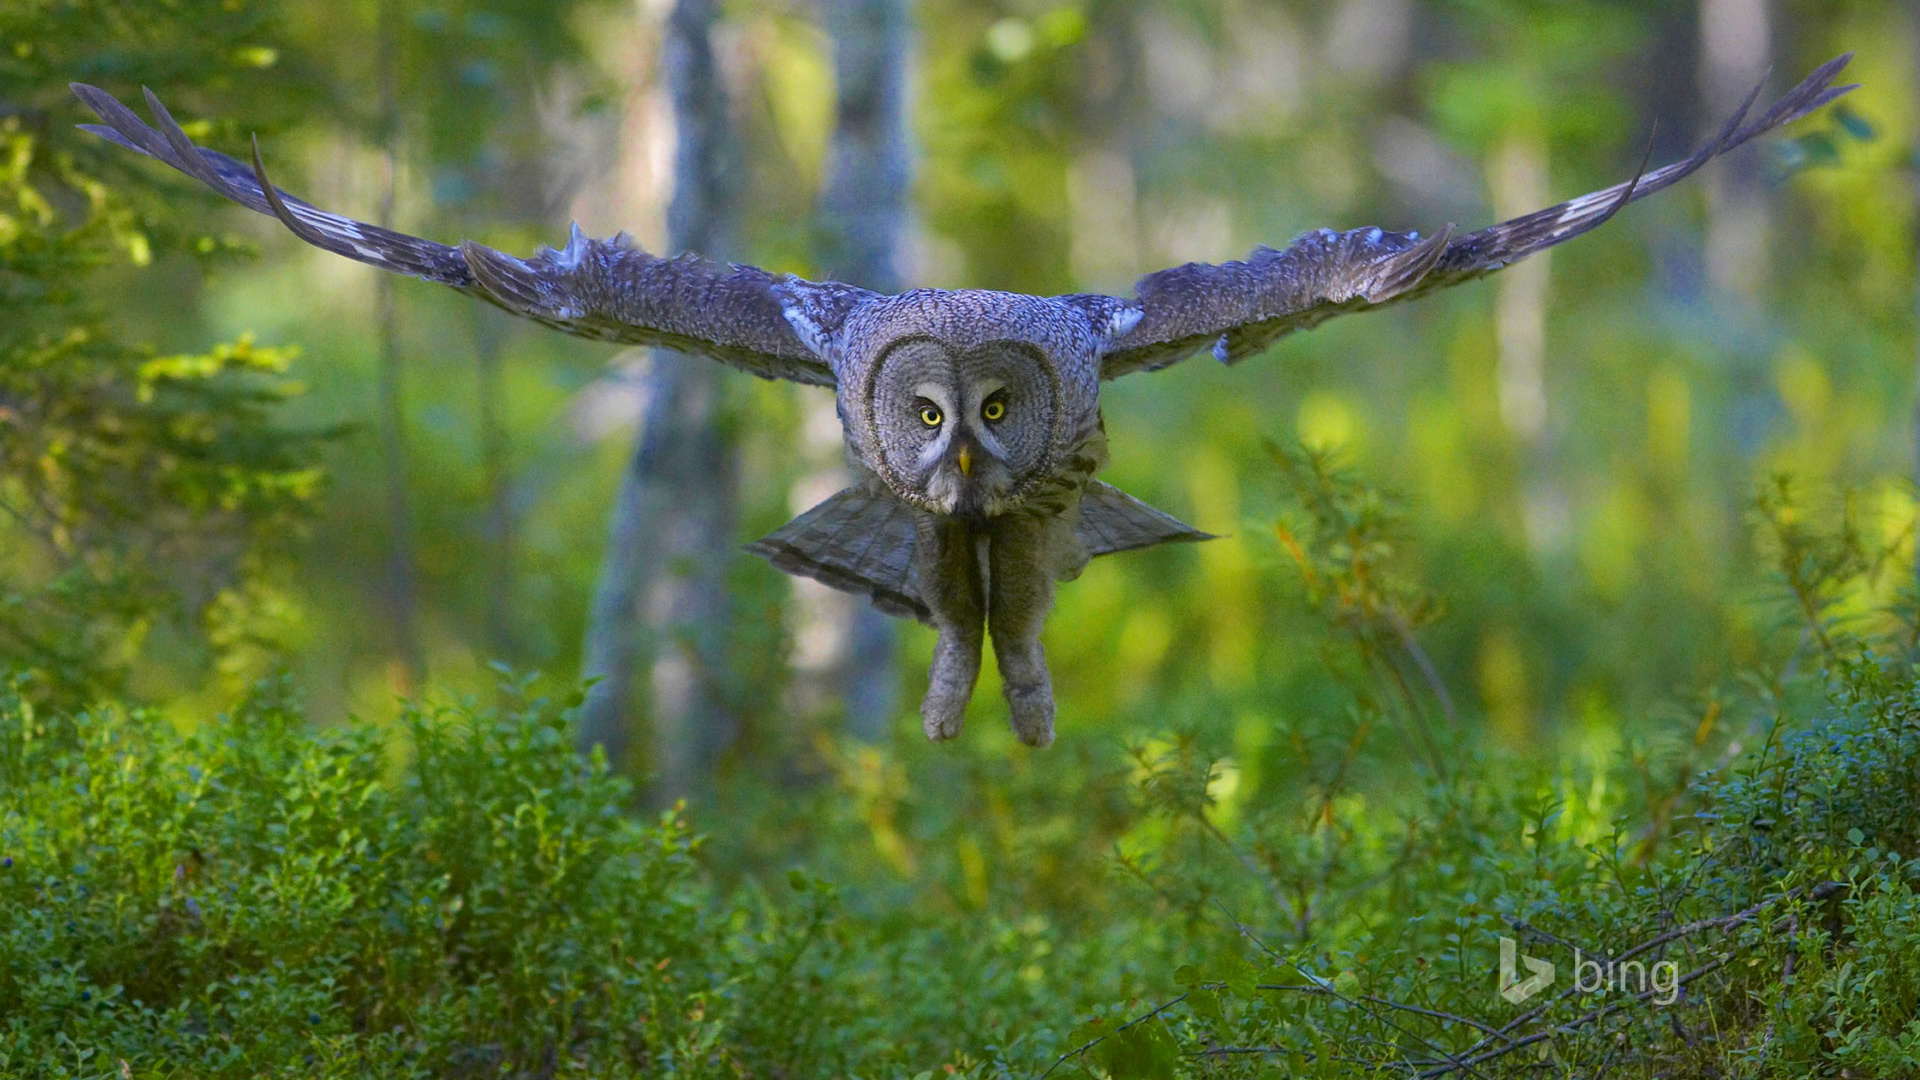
column 606, row 289
column 1112, row 520
column 860, row 540
column 971, row 417
column 1237, row 309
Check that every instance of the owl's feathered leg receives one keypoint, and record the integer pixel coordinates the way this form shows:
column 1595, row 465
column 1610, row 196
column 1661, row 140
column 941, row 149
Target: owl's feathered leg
column 1024, row 558
column 947, row 564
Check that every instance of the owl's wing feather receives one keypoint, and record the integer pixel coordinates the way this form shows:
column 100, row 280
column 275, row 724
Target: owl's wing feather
column 605, row 289
column 1239, row 308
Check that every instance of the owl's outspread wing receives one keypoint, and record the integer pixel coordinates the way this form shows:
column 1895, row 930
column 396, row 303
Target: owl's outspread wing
column 1239, row 308
column 606, row 289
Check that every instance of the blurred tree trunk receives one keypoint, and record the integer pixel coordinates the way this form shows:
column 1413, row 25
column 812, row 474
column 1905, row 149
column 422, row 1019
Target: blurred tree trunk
column 1115, row 115
column 844, row 648
column 660, row 605
column 401, row 602
column 1735, row 50
column 496, row 478
column 1517, row 179
column 1735, row 46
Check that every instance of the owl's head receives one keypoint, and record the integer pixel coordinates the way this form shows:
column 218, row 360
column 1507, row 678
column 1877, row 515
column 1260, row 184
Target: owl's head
column 965, row 401
column 964, row 430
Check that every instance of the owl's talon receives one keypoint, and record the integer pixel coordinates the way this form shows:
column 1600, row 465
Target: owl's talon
column 941, row 714
column 950, row 682
column 1031, row 707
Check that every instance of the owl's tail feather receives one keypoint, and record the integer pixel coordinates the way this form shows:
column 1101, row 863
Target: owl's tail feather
column 1112, row 520
column 858, row 541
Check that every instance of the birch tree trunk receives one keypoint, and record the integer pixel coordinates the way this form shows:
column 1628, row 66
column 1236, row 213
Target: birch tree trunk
column 1517, row 177
column 844, row 648
column 659, row 617
column 1735, row 44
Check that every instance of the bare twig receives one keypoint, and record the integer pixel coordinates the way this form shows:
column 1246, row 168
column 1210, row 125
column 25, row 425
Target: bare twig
column 1455, row 1065
column 1098, row 1039
column 1247, row 932
column 1316, row 988
column 1484, row 1049
column 1305, row 1055
column 1247, row 862
column 1727, row 922
column 1525, row 927
column 1425, row 663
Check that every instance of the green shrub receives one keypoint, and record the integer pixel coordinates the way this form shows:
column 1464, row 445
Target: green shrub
column 460, row 896
column 147, row 498
column 259, row 898
column 264, row 898
column 1784, row 906
column 1774, row 882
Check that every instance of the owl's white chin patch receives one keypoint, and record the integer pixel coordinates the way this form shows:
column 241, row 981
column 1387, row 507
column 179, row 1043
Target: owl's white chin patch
column 943, row 490
column 947, row 492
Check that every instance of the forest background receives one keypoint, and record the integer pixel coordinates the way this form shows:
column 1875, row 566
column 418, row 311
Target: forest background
column 1546, row 561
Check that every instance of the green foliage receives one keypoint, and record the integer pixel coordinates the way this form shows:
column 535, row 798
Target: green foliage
column 1177, row 909
column 142, row 496
column 1346, row 546
column 259, row 898
column 1791, row 883
column 466, row 898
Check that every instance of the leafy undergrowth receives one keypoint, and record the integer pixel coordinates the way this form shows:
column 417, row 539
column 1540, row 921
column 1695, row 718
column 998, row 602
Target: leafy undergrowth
column 460, row 896
column 263, row 898
column 1774, row 932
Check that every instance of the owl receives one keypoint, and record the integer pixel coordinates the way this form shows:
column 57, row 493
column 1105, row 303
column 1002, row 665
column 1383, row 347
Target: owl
column 972, row 418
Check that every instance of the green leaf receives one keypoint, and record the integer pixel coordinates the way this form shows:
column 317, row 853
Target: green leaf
column 1142, row 1052
column 1242, row 978
column 1205, row 1003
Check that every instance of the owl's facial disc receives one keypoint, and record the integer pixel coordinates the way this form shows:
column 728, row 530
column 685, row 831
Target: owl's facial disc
column 963, row 430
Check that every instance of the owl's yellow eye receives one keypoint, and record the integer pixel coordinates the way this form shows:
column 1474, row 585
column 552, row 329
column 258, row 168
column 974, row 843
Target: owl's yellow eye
column 930, row 415
column 993, row 410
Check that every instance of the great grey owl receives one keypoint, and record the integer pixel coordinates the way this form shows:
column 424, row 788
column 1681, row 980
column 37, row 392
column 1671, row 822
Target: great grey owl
column 972, row 418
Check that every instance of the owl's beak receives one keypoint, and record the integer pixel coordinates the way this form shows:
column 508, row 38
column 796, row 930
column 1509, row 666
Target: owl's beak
column 976, row 485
